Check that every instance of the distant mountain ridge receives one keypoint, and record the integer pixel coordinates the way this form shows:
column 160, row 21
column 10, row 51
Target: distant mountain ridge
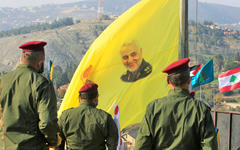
column 86, row 9
column 220, row 14
column 19, row 17
column 66, row 46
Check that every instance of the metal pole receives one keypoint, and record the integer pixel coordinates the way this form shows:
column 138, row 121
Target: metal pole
column 230, row 132
column 183, row 48
column 200, row 93
column 196, row 33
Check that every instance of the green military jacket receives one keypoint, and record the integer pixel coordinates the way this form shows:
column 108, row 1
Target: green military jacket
column 177, row 122
column 87, row 128
column 29, row 110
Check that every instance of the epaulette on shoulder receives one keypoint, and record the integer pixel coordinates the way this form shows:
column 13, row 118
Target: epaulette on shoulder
column 148, row 69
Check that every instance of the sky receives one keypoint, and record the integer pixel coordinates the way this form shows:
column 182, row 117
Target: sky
column 22, row 3
column 235, row 3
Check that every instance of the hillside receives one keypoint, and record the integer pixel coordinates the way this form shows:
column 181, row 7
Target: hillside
column 213, row 40
column 66, row 45
column 216, row 13
column 87, row 9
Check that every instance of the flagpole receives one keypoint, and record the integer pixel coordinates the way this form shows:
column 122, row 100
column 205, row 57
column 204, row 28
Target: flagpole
column 213, row 98
column 200, row 92
column 183, row 48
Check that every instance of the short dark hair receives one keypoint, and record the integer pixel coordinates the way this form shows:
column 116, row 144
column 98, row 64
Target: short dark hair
column 33, row 56
column 90, row 95
column 179, row 79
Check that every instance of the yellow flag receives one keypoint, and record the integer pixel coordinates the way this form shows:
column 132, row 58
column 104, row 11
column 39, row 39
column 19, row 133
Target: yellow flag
column 126, row 60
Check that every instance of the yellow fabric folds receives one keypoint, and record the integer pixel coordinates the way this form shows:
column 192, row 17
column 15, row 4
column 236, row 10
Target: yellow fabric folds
column 145, row 39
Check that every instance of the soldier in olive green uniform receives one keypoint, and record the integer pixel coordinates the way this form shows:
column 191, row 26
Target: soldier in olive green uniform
column 86, row 127
column 177, row 121
column 29, row 103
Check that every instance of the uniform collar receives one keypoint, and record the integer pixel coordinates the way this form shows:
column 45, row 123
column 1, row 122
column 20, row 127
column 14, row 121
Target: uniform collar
column 86, row 103
column 178, row 91
column 26, row 66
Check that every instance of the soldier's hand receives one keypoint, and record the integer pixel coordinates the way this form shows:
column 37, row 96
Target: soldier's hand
column 59, row 139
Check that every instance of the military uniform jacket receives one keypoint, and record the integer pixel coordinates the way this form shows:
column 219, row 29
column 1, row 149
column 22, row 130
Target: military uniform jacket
column 29, row 110
column 177, row 122
column 88, row 128
column 144, row 70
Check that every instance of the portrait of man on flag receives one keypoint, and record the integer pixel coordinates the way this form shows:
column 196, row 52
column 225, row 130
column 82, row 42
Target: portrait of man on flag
column 127, row 58
column 137, row 67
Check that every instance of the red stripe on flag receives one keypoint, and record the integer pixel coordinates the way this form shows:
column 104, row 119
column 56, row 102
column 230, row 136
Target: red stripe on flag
column 229, row 72
column 195, row 71
column 230, row 87
column 116, row 110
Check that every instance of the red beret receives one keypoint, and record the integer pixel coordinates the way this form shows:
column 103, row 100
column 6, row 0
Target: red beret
column 89, row 87
column 177, row 66
column 33, row 46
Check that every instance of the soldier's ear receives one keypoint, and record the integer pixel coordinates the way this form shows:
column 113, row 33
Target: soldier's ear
column 40, row 63
column 167, row 79
column 21, row 59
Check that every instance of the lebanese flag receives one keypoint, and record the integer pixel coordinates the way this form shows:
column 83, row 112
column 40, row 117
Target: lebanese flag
column 194, row 70
column 229, row 80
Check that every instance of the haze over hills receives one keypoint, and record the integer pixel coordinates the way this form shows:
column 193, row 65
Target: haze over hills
column 18, row 17
column 219, row 14
column 86, row 9
column 66, row 46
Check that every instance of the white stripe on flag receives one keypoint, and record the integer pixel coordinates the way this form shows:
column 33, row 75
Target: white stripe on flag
column 225, row 81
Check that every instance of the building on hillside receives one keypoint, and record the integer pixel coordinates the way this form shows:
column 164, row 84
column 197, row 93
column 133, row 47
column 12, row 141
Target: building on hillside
column 129, row 135
column 62, row 90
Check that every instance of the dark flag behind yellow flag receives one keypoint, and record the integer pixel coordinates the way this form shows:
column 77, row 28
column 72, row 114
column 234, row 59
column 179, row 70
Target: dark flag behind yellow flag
column 126, row 60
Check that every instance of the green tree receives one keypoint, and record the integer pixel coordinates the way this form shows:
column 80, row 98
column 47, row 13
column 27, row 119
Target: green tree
column 237, row 57
column 105, row 17
column 218, row 62
column 207, row 22
column 230, row 65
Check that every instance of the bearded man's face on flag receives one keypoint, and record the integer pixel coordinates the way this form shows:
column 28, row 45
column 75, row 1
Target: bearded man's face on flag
column 131, row 56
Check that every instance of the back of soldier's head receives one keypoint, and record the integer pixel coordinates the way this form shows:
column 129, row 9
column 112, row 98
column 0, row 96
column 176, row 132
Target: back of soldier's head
column 179, row 79
column 33, row 52
column 178, row 72
column 33, row 57
column 88, row 91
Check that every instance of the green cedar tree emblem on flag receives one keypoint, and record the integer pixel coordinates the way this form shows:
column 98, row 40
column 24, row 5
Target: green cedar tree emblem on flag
column 233, row 79
column 203, row 77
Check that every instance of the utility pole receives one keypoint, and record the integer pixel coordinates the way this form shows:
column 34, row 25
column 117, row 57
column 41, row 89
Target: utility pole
column 100, row 9
column 183, row 48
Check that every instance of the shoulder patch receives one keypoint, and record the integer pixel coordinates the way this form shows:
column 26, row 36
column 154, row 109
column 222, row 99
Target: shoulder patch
column 148, row 69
